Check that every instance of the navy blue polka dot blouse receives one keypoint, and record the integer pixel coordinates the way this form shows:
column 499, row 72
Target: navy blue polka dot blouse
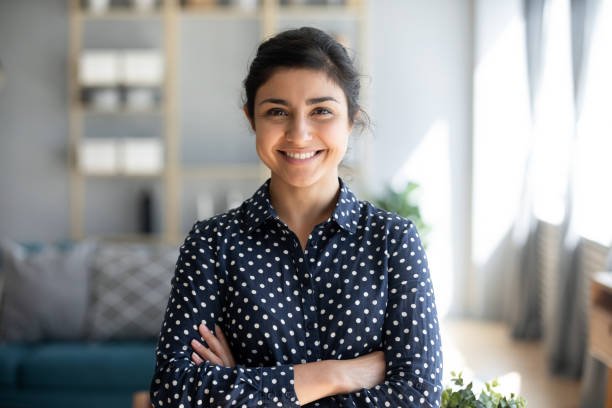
column 361, row 285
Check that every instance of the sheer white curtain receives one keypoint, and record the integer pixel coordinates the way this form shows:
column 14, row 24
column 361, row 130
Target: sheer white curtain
column 553, row 125
column 548, row 45
column 592, row 194
column 555, row 130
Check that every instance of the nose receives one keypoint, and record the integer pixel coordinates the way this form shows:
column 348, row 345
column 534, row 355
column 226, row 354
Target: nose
column 298, row 129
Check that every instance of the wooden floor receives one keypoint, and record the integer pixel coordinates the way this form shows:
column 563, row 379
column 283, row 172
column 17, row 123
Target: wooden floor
column 484, row 351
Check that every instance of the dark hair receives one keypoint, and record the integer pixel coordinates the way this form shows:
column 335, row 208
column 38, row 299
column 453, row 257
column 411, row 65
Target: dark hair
column 304, row 47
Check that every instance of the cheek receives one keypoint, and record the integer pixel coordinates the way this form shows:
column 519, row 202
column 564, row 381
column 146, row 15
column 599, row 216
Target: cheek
column 266, row 129
column 264, row 144
column 336, row 134
column 259, row 143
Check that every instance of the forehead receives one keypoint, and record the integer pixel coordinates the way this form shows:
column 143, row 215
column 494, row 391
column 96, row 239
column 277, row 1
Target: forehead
column 298, row 83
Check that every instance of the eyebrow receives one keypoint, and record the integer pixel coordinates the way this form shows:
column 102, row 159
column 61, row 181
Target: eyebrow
column 311, row 101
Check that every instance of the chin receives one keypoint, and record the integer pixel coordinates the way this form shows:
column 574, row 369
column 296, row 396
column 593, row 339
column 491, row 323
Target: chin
column 303, row 181
column 298, row 183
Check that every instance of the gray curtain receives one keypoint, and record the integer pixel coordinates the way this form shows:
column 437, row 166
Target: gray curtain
column 525, row 319
column 568, row 332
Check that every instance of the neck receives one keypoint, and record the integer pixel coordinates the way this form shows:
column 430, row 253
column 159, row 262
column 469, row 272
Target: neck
column 304, row 205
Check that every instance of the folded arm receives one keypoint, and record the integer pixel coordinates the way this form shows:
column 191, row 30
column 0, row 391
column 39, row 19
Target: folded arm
column 411, row 336
column 194, row 299
column 312, row 381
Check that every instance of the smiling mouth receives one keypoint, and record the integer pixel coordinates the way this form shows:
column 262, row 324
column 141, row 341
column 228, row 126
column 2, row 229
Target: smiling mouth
column 301, row 156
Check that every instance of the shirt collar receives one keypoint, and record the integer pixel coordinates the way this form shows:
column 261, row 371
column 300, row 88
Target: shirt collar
column 258, row 208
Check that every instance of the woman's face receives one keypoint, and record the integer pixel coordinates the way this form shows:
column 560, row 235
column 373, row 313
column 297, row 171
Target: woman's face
column 301, row 124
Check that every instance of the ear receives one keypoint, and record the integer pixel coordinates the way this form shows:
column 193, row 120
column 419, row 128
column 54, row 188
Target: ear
column 246, row 113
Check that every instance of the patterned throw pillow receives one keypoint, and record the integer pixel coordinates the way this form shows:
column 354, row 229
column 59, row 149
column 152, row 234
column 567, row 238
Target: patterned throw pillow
column 130, row 289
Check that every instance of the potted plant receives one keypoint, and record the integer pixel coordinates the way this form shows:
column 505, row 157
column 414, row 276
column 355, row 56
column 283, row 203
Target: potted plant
column 462, row 395
column 404, row 203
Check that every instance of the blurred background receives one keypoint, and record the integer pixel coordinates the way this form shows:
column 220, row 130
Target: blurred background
column 121, row 125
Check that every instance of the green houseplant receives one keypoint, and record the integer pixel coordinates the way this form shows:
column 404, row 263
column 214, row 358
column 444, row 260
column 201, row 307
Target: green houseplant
column 404, row 203
column 462, row 396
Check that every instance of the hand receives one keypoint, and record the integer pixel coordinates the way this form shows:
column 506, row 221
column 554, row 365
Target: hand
column 218, row 350
column 366, row 371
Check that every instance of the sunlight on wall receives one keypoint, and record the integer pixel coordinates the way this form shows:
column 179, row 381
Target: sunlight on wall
column 429, row 166
column 501, row 137
column 592, row 192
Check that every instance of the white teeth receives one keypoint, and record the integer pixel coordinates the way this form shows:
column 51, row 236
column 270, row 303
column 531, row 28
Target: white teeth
column 300, row 156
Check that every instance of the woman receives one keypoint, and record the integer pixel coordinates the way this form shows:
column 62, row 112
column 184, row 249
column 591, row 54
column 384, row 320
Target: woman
column 303, row 293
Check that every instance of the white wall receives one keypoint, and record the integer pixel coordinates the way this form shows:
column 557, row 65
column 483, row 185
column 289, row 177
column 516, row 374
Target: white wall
column 34, row 120
column 421, row 98
column 501, row 136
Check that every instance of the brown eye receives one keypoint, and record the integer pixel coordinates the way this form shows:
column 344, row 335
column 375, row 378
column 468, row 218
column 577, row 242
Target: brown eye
column 276, row 112
column 322, row 111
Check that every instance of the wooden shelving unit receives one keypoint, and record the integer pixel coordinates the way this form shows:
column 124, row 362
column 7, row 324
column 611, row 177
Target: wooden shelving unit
column 600, row 323
column 170, row 15
column 80, row 113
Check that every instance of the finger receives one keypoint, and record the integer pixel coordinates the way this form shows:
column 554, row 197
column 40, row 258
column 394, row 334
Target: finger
column 225, row 344
column 205, row 353
column 214, row 344
column 221, row 337
column 196, row 359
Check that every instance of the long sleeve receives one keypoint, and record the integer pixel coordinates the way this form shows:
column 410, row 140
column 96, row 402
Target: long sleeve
column 196, row 297
column 411, row 336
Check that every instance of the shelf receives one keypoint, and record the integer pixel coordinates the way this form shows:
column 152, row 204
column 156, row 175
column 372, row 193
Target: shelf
column 120, row 85
column 121, row 13
column 155, row 238
column 121, row 112
column 225, row 172
column 220, row 12
column 318, row 12
column 120, row 175
column 604, row 281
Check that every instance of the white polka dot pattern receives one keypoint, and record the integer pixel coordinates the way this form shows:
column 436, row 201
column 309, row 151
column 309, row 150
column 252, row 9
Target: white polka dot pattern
column 361, row 284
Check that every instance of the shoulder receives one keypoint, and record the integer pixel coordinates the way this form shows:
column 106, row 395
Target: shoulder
column 399, row 234
column 390, row 221
column 208, row 232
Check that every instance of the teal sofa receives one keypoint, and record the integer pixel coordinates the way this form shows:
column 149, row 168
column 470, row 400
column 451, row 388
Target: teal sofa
column 90, row 357
column 74, row 374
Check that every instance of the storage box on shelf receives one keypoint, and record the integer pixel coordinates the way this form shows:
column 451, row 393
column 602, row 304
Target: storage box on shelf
column 121, row 80
column 104, row 7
